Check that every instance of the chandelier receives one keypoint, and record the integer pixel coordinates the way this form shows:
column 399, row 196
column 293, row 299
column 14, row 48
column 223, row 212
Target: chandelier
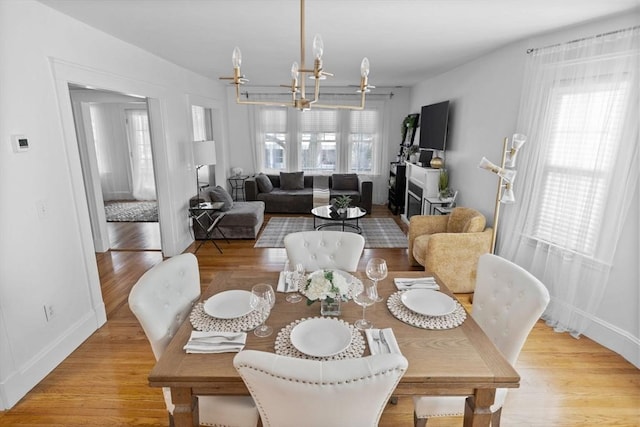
column 298, row 87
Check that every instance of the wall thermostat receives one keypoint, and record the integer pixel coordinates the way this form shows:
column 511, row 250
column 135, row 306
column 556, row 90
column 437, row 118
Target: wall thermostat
column 20, row 143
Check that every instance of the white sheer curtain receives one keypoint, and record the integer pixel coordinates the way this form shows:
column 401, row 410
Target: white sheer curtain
column 317, row 141
column 144, row 186
column 577, row 171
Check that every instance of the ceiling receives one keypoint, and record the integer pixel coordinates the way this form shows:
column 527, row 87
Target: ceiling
column 406, row 41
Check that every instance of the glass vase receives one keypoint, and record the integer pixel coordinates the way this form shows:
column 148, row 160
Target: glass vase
column 330, row 307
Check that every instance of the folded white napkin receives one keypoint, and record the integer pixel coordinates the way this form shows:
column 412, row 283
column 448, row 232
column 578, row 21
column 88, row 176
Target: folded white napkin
column 215, row 342
column 416, row 283
column 377, row 346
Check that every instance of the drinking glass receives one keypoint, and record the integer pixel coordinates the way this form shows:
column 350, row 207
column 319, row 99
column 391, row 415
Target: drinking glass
column 263, row 298
column 365, row 296
column 296, row 275
column 376, row 270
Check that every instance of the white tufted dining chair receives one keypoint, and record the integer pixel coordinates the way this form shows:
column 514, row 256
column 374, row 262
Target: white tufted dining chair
column 508, row 301
column 161, row 300
column 292, row 392
column 325, row 249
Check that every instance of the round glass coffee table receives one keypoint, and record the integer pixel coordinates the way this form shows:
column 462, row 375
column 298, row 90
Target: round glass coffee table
column 329, row 213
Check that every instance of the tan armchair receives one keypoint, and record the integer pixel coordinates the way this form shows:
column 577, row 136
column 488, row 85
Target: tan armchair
column 450, row 245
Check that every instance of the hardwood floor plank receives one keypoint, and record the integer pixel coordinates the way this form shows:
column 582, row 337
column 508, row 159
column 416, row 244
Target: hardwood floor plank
column 565, row 382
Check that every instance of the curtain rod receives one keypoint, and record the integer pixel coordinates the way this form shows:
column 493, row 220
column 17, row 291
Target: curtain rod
column 533, row 49
column 246, row 94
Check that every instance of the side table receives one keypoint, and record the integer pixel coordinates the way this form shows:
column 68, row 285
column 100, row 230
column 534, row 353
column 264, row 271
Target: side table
column 433, row 203
column 207, row 211
column 237, row 186
column 443, row 210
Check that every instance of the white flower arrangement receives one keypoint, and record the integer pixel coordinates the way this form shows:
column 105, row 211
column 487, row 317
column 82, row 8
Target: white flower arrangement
column 325, row 284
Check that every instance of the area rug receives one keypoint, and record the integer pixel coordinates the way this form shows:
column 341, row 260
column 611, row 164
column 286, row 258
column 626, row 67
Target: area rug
column 131, row 211
column 377, row 232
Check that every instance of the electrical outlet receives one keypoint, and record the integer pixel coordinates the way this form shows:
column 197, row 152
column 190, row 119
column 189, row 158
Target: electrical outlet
column 49, row 312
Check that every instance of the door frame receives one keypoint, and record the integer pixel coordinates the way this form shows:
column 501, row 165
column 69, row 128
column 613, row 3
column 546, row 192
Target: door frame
column 65, row 73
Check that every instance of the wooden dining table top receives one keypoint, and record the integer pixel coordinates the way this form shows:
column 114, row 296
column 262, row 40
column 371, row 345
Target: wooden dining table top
column 453, row 361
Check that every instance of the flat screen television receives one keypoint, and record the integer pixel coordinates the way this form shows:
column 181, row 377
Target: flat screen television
column 433, row 126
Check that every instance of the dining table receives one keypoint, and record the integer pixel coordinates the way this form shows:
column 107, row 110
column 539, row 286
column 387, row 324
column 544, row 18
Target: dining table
column 459, row 361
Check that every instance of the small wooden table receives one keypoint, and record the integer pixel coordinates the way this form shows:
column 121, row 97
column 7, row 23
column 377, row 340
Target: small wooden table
column 460, row 361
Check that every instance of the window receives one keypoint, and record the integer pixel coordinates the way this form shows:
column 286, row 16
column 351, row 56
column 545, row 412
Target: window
column 318, row 148
column 274, row 125
column 202, row 123
column 362, row 140
column 144, row 187
column 199, row 121
column 584, row 135
column 327, row 141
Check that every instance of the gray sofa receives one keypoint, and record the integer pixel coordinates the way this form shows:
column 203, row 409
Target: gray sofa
column 243, row 220
column 300, row 199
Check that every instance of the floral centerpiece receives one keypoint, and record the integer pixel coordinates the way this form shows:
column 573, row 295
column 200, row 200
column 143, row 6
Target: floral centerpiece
column 327, row 287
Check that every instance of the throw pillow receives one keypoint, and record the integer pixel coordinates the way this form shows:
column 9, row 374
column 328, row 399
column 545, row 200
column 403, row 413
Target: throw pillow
column 344, row 181
column 264, row 183
column 220, row 194
column 292, row 180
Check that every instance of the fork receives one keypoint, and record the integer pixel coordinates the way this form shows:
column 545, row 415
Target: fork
column 383, row 340
column 376, row 339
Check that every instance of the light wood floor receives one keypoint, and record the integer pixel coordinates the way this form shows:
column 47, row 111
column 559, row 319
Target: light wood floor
column 565, row 382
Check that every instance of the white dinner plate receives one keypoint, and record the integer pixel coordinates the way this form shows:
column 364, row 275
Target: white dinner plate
column 228, row 304
column 321, row 337
column 428, row 302
column 352, row 280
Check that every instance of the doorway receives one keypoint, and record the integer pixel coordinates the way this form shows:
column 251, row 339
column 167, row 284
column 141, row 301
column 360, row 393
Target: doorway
column 115, row 147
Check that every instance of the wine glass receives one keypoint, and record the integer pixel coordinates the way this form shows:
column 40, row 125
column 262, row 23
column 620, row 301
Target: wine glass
column 376, row 270
column 262, row 299
column 296, row 276
column 365, row 296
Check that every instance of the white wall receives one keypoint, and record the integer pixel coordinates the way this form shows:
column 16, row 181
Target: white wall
column 240, row 148
column 46, row 253
column 485, row 96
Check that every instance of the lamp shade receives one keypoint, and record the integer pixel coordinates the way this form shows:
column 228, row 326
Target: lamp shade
column 204, row 153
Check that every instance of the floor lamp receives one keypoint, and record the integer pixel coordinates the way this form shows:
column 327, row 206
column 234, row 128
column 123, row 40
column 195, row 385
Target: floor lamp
column 506, row 174
column 204, row 154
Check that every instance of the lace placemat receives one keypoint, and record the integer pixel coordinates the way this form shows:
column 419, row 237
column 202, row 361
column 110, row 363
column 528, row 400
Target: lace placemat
column 284, row 347
column 448, row 321
column 203, row 322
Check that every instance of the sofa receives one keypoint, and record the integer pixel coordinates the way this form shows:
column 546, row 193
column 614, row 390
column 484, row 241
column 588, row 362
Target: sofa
column 450, row 246
column 292, row 192
column 242, row 220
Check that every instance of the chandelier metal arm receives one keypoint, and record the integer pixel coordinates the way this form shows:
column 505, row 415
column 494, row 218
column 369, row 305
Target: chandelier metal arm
column 298, row 85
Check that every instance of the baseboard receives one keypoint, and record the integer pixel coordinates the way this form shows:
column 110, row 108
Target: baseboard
column 615, row 339
column 30, row 373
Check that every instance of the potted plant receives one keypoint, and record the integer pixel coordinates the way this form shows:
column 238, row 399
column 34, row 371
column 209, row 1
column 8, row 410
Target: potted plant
column 443, row 185
column 412, row 153
column 342, row 203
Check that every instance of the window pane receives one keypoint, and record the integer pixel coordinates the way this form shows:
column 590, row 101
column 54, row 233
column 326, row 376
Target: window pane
column 362, row 138
column 583, row 142
column 274, row 126
column 318, row 147
column 199, row 126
